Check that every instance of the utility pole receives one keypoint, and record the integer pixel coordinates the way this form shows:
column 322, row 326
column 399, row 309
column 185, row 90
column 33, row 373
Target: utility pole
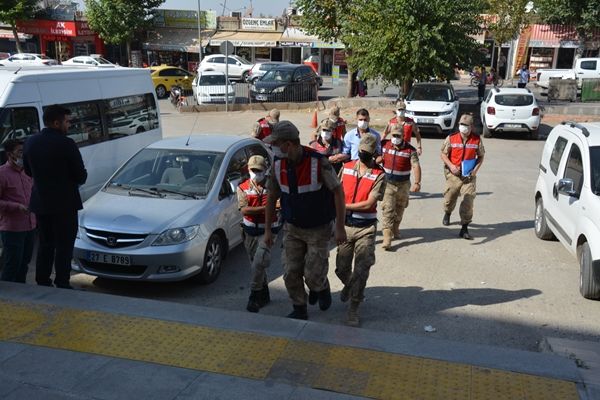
column 199, row 36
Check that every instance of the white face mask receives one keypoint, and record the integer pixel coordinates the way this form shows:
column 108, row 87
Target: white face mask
column 464, row 129
column 19, row 162
column 277, row 152
column 326, row 135
column 396, row 141
column 363, row 124
column 400, row 113
column 257, row 176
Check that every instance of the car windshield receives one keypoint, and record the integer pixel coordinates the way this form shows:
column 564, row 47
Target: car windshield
column 168, row 173
column 514, row 100
column 212, row 80
column 242, row 60
column 595, row 168
column 101, row 60
column 268, row 67
column 277, row 75
column 430, row 93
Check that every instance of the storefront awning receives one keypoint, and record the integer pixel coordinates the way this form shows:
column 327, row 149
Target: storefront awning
column 246, row 39
column 184, row 40
column 8, row 34
column 295, row 37
column 556, row 36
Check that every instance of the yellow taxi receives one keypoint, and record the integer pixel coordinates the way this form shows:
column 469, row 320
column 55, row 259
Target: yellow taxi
column 165, row 77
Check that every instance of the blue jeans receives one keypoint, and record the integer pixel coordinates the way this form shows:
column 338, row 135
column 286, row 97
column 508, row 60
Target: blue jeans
column 16, row 254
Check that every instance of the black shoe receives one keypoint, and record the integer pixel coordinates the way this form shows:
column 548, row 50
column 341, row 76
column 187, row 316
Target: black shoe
column 325, row 299
column 464, row 233
column 446, row 219
column 253, row 301
column 300, row 312
column 313, row 297
column 264, row 297
column 345, row 294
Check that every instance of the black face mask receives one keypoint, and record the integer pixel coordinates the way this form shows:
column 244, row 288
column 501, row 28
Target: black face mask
column 365, row 157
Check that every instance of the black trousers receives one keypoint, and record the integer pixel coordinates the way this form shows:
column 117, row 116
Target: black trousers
column 57, row 238
column 481, row 91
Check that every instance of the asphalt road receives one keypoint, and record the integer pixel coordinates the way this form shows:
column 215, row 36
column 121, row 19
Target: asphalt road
column 504, row 288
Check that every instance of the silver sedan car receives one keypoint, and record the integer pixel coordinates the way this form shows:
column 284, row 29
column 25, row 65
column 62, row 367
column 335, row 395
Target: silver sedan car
column 169, row 213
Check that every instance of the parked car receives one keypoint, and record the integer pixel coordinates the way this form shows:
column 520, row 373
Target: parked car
column 211, row 87
column 259, row 69
column 585, row 68
column 286, row 83
column 131, row 125
column 510, row 110
column 164, row 77
column 238, row 67
column 567, row 197
column 95, row 60
column 31, row 59
column 433, row 106
column 169, row 213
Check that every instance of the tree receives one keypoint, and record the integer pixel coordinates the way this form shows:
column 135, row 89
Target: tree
column 507, row 18
column 583, row 15
column 117, row 21
column 13, row 10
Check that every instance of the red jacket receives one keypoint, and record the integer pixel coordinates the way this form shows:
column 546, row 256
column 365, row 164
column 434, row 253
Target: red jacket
column 15, row 190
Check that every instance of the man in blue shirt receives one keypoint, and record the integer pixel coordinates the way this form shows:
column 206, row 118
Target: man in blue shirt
column 352, row 138
column 523, row 76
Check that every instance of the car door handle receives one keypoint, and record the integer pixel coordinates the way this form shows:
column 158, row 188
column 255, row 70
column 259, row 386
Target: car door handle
column 555, row 191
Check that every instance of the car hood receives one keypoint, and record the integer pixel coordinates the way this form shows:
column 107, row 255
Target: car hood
column 269, row 86
column 421, row 105
column 136, row 214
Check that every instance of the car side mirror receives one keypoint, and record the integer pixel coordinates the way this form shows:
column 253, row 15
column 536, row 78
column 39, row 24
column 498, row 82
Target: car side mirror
column 566, row 186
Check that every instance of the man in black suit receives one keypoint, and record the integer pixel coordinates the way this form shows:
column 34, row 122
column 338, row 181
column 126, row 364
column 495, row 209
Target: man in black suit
column 53, row 161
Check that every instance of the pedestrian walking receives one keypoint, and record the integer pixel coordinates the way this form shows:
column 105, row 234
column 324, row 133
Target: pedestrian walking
column 17, row 223
column 252, row 201
column 311, row 199
column 482, row 82
column 405, row 124
column 54, row 162
column 502, row 66
column 353, row 137
column 524, row 76
column 326, row 144
column 462, row 154
column 264, row 126
column 399, row 159
column 364, row 185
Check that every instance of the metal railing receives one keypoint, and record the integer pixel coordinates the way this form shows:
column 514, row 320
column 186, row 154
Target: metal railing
column 248, row 93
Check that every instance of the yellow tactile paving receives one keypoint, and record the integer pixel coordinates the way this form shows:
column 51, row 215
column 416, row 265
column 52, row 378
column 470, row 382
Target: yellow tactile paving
column 340, row 369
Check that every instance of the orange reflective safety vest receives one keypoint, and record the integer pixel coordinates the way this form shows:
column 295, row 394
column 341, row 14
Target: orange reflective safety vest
column 338, row 132
column 406, row 127
column 460, row 151
column 396, row 161
column 357, row 189
column 335, row 147
column 265, row 128
column 254, row 224
column 305, row 200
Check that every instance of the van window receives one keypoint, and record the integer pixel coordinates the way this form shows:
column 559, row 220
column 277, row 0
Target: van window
column 86, row 125
column 557, row 152
column 574, row 168
column 129, row 115
column 18, row 123
column 590, row 65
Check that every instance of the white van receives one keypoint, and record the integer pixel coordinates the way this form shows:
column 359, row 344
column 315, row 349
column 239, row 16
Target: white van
column 114, row 112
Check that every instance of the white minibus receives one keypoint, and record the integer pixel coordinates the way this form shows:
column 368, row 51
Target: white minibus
column 114, row 112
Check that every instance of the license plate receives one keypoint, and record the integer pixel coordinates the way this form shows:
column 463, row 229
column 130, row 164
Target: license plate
column 108, row 258
column 261, row 97
column 425, row 121
column 513, row 125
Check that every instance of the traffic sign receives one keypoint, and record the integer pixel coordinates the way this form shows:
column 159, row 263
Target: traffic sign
column 227, row 48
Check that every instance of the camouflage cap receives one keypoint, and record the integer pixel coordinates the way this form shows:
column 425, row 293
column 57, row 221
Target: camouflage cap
column 368, row 143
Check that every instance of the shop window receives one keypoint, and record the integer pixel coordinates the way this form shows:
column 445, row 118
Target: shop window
column 541, row 58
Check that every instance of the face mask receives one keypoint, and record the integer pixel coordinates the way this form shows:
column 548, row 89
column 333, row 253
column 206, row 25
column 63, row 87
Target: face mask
column 396, row 141
column 365, row 157
column 400, row 113
column 326, row 135
column 463, row 129
column 257, row 176
column 363, row 124
column 277, row 152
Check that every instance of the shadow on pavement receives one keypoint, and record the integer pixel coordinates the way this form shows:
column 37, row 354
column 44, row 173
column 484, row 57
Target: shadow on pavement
column 438, row 195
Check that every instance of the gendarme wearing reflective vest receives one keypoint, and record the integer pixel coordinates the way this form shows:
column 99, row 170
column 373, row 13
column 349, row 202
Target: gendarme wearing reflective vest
column 405, row 124
column 264, row 126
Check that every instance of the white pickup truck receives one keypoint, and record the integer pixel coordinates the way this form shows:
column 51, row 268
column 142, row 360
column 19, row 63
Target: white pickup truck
column 585, row 68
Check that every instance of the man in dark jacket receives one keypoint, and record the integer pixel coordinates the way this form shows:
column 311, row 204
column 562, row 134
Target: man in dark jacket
column 53, row 161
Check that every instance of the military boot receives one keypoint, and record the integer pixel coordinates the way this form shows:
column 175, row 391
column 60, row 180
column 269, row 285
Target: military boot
column 353, row 317
column 345, row 294
column 300, row 312
column 387, row 239
column 264, row 296
column 254, row 301
column 446, row 219
column 313, row 297
column 464, row 232
column 325, row 299
column 396, row 230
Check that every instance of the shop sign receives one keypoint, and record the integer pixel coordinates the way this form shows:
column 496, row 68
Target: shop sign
column 247, row 43
column 569, row 44
column 295, row 44
column 339, row 58
column 184, row 19
column 258, row 24
column 326, row 45
column 83, row 29
column 48, row 27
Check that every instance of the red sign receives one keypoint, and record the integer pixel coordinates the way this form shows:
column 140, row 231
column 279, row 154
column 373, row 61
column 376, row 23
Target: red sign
column 55, row 28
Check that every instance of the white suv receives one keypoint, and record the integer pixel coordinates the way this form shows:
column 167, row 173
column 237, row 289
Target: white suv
column 433, row 106
column 510, row 110
column 567, row 197
column 238, row 67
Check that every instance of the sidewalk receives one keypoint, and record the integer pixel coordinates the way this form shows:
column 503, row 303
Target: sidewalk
column 61, row 344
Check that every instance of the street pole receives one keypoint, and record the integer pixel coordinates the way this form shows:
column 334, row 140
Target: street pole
column 199, row 36
column 227, row 76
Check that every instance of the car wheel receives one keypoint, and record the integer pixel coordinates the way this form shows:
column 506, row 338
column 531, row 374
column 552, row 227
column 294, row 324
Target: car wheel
column 542, row 231
column 487, row 133
column 140, row 129
column 245, row 76
column 213, row 259
column 534, row 135
column 588, row 276
column 161, row 92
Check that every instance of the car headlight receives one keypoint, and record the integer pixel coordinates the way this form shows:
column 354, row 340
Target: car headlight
column 253, row 88
column 176, row 236
column 279, row 89
column 447, row 112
